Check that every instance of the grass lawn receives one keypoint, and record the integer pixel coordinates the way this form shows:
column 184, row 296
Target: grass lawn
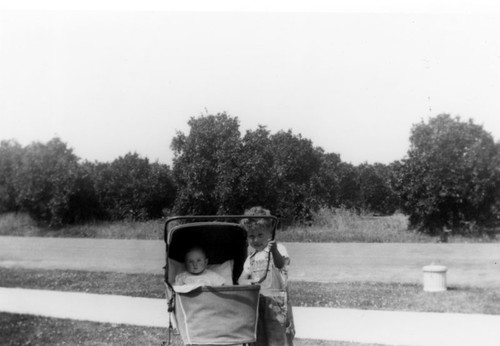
column 35, row 330
column 364, row 295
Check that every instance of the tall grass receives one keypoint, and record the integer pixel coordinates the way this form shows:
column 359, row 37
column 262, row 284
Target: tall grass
column 346, row 225
column 152, row 229
column 22, row 225
column 328, row 225
column 18, row 224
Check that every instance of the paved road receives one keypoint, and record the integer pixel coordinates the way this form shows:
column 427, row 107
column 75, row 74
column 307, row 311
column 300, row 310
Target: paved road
column 468, row 264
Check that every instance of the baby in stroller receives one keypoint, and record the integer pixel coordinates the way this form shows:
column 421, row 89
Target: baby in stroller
column 196, row 272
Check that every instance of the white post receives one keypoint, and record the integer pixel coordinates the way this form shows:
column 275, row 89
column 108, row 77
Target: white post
column 434, row 278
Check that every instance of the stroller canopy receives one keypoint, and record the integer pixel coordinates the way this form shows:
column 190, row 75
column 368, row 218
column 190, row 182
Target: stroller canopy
column 222, row 241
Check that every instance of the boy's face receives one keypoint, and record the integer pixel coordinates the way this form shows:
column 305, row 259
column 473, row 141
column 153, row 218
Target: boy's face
column 196, row 262
column 259, row 237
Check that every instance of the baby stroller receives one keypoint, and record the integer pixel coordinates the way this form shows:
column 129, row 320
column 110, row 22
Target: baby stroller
column 211, row 315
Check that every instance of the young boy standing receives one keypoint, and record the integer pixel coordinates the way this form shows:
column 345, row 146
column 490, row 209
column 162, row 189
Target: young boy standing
column 267, row 265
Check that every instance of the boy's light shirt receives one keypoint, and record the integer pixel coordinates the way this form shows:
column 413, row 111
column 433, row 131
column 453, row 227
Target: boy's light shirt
column 256, row 264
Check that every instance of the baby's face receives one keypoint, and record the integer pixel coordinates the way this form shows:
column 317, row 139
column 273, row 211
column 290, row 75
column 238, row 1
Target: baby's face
column 196, row 262
column 259, row 237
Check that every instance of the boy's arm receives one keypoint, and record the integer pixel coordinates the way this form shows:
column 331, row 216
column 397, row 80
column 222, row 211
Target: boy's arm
column 278, row 258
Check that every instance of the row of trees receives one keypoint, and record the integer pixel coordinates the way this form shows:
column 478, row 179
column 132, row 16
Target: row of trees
column 50, row 183
column 450, row 177
column 217, row 170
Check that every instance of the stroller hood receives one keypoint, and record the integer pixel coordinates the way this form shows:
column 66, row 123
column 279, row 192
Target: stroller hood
column 221, row 241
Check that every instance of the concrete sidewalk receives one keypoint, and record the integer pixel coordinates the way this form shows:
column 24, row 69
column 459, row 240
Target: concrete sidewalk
column 365, row 326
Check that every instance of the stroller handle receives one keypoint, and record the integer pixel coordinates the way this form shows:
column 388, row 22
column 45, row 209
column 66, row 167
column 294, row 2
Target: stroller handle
column 225, row 218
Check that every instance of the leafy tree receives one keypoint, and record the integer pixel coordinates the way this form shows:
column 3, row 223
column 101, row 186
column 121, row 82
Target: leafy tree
column 349, row 186
column 393, row 178
column 451, row 175
column 277, row 171
column 295, row 162
column 83, row 202
column 327, row 181
column 10, row 159
column 132, row 188
column 45, row 180
column 48, row 182
column 104, row 186
column 216, row 171
column 376, row 190
column 206, row 165
column 162, row 190
column 256, row 183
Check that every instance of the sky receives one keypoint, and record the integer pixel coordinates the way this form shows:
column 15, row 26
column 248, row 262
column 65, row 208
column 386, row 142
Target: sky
column 112, row 78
